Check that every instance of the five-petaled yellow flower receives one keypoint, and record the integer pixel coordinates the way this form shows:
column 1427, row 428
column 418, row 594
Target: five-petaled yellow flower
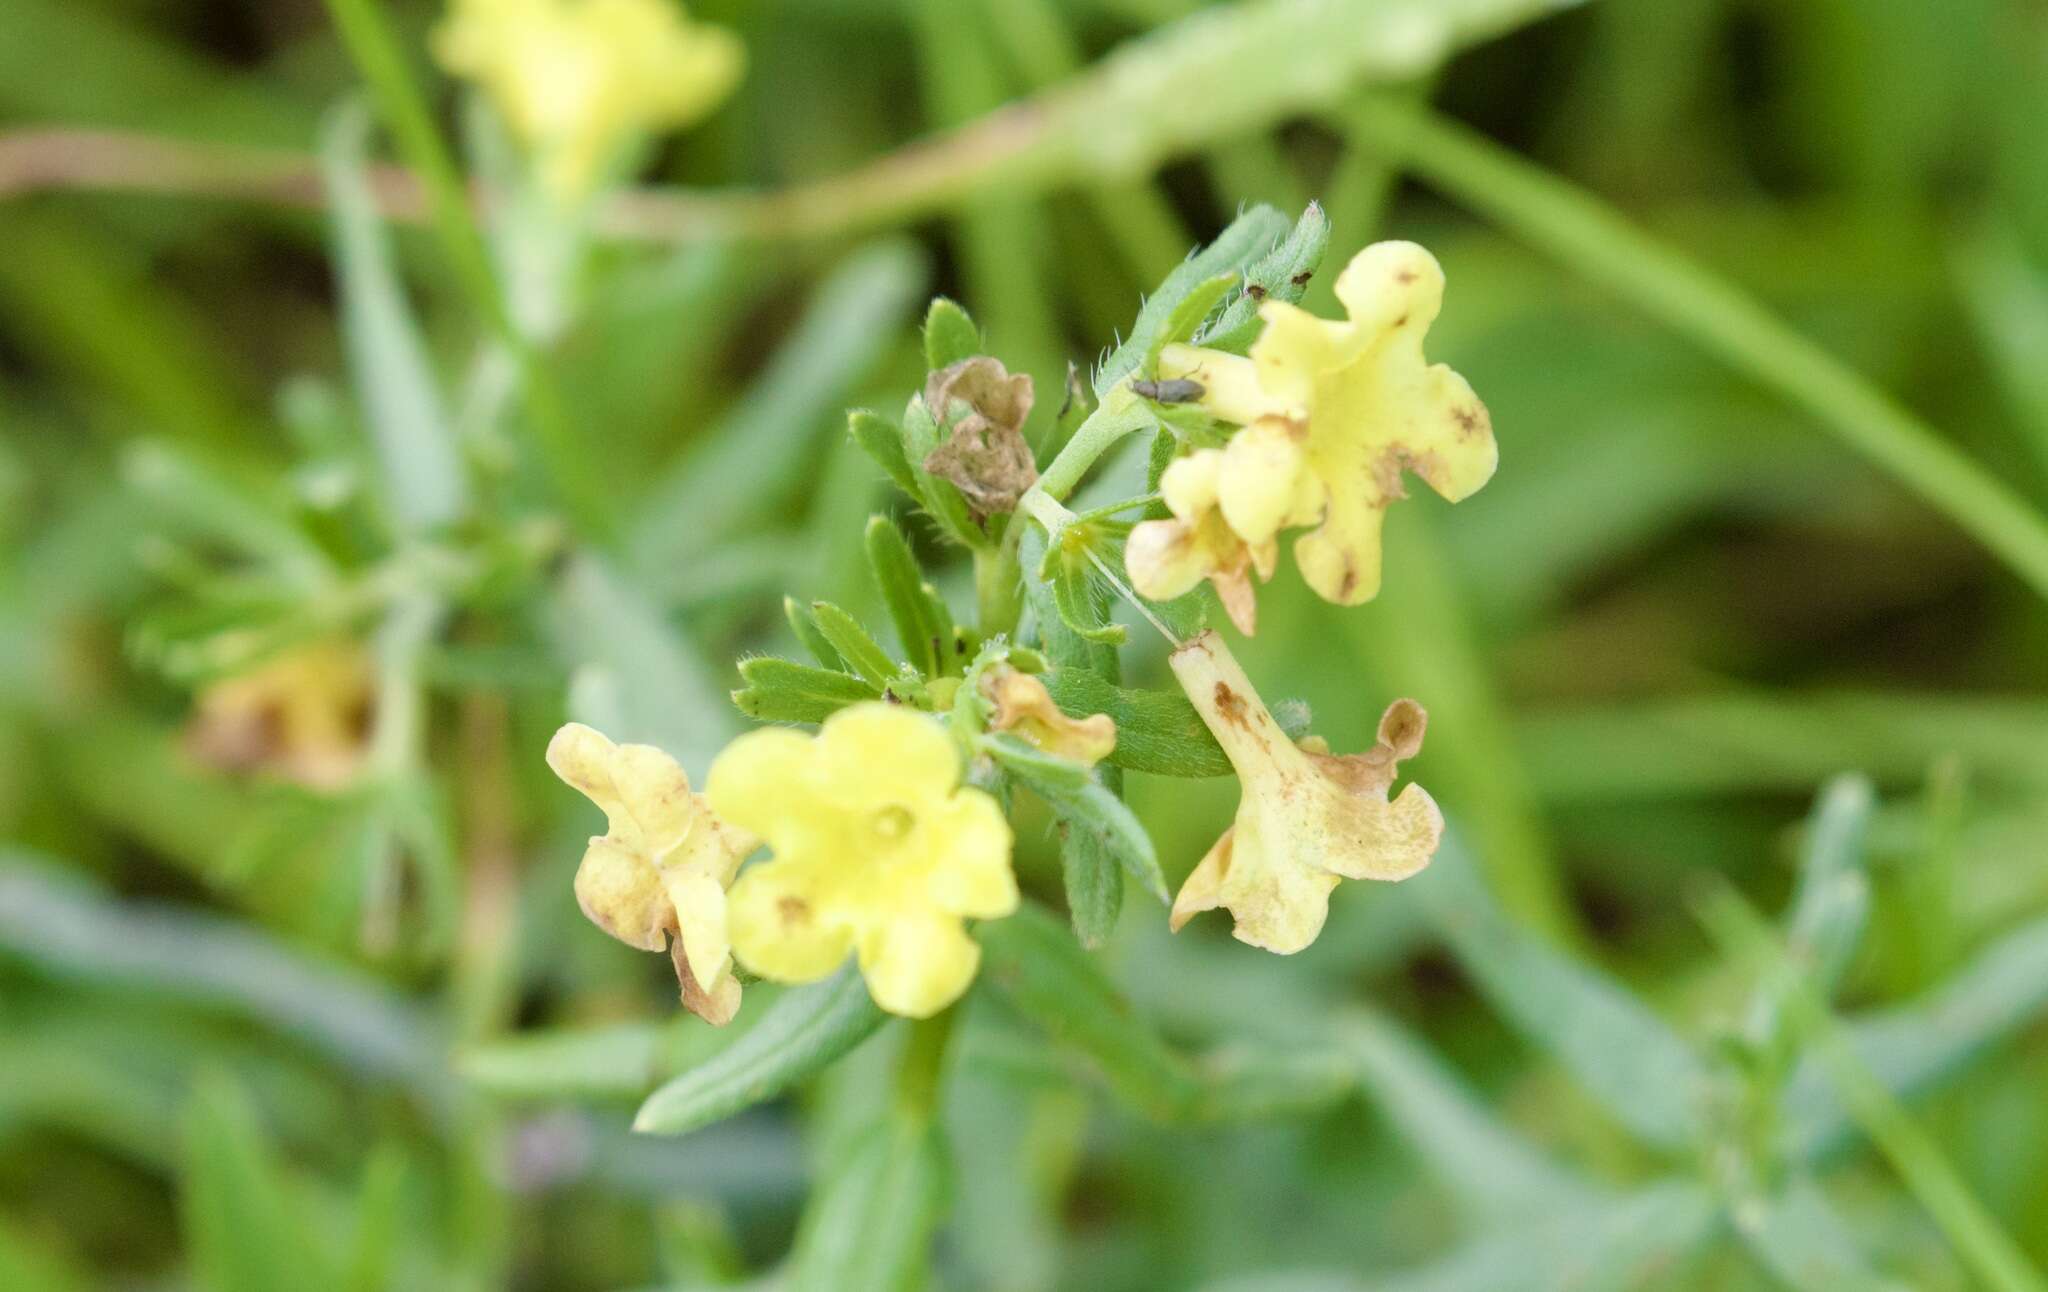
column 577, row 79
column 662, row 868
column 1333, row 413
column 879, row 850
column 1306, row 819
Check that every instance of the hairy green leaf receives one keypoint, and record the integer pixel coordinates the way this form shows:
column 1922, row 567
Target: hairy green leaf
column 780, row 690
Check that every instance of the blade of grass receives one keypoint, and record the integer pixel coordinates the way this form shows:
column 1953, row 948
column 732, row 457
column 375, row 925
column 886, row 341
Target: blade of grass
column 1974, row 1233
column 381, row 59
column 1580, row 231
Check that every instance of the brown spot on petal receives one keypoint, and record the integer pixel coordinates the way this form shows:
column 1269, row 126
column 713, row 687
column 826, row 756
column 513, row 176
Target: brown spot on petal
column 1405, row 276
column 793, row 910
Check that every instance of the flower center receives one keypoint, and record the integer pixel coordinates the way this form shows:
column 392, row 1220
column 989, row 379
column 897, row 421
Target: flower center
column 892, row 824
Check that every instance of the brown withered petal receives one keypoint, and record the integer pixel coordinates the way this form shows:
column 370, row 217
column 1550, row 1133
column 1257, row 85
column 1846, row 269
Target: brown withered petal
column 986, row 456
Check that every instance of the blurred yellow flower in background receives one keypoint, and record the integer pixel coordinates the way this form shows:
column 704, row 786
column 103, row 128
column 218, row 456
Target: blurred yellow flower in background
column 663, row 866
column 879, row 850
column 302, row 715
column 1305, row 819
column 1333, row 413
column 578, row 79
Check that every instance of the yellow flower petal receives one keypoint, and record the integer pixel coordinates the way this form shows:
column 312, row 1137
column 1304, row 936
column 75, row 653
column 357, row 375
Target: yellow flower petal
column 876, row 753
column 753, row 779
column 1364, row 406
column 699, row 901
column 623, row 895
column 916, row 967
column 777, row 927
column 975, row 879
column 1025, row 708
column 1305, row 819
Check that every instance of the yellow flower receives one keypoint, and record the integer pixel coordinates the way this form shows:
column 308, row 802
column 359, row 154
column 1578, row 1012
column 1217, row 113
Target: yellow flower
column 1333, row 413
column 1305, row 819
column 1024, row 708
column 879, row 850
column 662, row 869
column 577, row 79
column 303, row 715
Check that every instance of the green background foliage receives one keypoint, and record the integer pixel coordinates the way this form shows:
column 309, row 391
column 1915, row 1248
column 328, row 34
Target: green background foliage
column 1730, row 974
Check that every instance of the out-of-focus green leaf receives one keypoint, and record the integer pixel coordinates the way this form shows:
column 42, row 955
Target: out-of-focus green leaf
column 805, row 1030
column 60, row 926
column 870, row 1222
column 1620, row 1051
column 757, row 456
column 1832, row 901
column 395, row 384
column 244, row 1219
column 373, row 1250
column 1912, row 1046
column 1799, row 1237
column 1493, row 1172
column 622, row 1061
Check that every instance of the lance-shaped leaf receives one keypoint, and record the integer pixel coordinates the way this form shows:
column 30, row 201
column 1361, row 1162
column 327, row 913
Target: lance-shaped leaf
column 1247, row 239
column 1084, row 804
column 854, row 645
column 780, row 690
column 801, row 1033
column 1641, row 1071
column 1282, row 274
column 806, row 629
column 949, row 335
column 923, row 623
column 870, row 1223
column 882, row 440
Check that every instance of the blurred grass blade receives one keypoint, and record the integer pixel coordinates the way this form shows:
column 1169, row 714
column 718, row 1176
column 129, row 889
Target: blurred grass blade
column 804, row 1031
column 1038, row 967
column 395, row 384
column 870, row 1221
column 768, row 442
column 1621, row 1052
column 60, row 926
column 1799, row 1237
column 638, row 676
column 374, row 1247
column 1576, row 228
column 1492, row 1171
column 1910, row 1047
column 1832, row 902
column 619, row 1062
column 244, row 1220
column 1975, row 1234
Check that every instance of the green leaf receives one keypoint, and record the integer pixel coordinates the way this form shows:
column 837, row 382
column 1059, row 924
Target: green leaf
column 780, row 690
column 923, row 625
column 1040, row 969
column 1081, row 604
column 1247, row 239
column 1799, row 1237
column 1085, row 805
column 882, row 440
column 1186, row 318
column 1492, row 1170
column 243, row 1219
column 806, row 630
column 870, row 1224
column 806, row 1030
column 941, row 501
column 854, row 645
column 1621, row 1052
column 1911, row 1047
column 764, row 447
column 949, row 335
column 1156, row 731
column 1282, row 274
column 1831, row 904
column 395, row 385
column 1092, row 879
column 618, row 1062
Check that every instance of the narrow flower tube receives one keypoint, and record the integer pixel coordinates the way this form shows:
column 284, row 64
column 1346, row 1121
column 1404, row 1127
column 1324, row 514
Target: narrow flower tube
column 1306, row 819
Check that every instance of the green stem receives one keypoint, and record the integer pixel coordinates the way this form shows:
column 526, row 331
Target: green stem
column 1118, row 415
column 1577, row 229
column 998, row 584
column 921, row 1072
column 382, row 61
column 1976, row 1236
